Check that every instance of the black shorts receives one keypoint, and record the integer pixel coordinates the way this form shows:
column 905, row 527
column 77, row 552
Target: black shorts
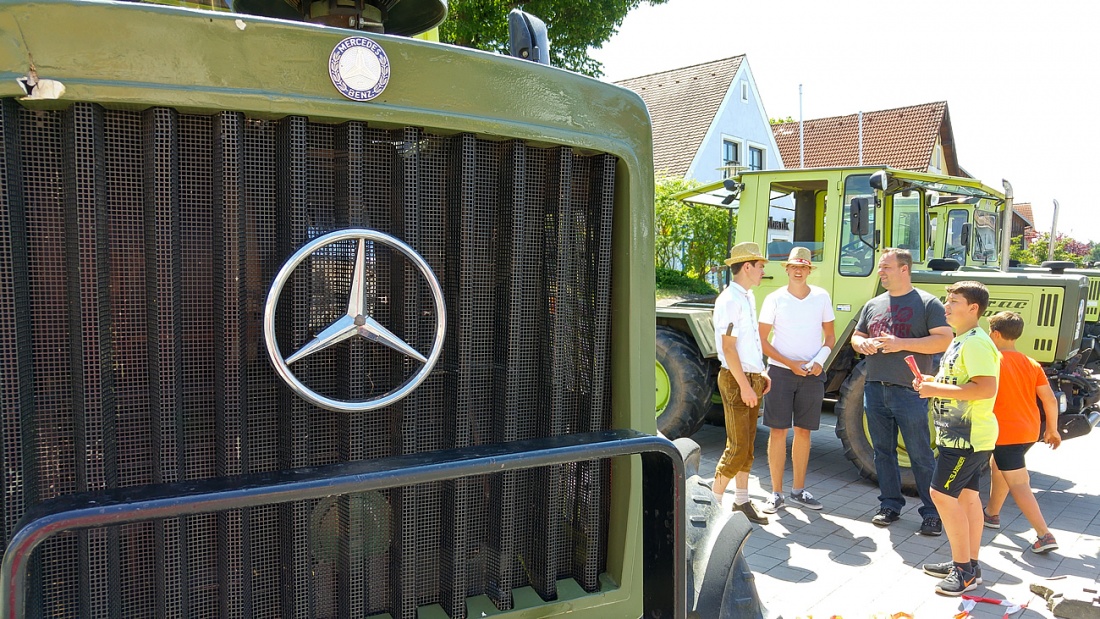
column 958, row 469
column 1011, row 457
column 793, row 400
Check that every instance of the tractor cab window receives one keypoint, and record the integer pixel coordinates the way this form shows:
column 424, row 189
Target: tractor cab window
column 906, row 229
column 933, row 224
column 954, row 247
column 857, row 251
column 983, row 247
column 796, row 217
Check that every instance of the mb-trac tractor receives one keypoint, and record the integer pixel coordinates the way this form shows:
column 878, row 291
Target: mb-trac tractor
column 967, row 235
column 847, row 217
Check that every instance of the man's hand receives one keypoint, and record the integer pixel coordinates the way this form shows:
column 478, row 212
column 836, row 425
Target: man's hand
column 748, row 396
column 816, row 370
column 1051, row 437
column 865, row 345
column 796, row 367
column 767, row 383
column 888, row 343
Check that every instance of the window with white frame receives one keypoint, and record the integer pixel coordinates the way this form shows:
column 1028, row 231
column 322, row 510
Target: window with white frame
column 744, row 91
column 756, row 158
column 731, row 157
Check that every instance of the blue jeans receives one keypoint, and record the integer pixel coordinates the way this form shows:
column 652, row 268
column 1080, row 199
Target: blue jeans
column 890, row 408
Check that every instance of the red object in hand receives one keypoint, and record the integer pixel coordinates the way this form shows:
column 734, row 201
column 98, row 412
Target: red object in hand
column 912, row 361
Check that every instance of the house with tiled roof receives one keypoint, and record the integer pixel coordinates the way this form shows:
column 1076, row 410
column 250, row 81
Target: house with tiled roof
column 917, row 137
column 708, row 120
column 1023, row 223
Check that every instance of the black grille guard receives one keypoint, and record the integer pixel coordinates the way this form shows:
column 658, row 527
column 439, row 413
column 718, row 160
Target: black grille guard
column 662, row 501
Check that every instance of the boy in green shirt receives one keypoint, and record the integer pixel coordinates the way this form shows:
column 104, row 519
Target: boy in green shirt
column 961, row 401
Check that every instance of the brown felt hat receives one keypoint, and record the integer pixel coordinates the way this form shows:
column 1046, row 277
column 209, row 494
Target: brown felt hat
column 745, row 252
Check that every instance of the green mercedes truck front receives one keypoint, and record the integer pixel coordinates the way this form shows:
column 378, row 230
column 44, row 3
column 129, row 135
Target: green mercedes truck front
column 305, row 317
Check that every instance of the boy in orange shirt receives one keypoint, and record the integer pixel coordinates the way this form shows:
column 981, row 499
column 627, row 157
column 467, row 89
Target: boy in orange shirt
column 1022, row 380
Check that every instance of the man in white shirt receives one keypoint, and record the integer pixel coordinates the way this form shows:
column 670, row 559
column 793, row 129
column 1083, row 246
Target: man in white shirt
column 742, row 379
column 801, row 322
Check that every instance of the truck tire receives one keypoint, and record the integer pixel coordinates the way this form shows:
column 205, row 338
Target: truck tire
column 852, row 432
column 684, row 384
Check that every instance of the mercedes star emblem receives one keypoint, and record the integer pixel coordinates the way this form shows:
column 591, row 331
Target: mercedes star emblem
column 356, row 322
column 359, row 68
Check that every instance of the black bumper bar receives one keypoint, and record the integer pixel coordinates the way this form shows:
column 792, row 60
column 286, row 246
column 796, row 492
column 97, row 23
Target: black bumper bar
column 664, row 579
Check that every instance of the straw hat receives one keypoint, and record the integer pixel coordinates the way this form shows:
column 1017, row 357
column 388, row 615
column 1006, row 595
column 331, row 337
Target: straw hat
column 800, row 256
column 744, row 252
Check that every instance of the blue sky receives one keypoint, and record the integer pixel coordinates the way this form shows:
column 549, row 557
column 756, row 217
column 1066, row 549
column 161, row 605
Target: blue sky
column 1019, row 78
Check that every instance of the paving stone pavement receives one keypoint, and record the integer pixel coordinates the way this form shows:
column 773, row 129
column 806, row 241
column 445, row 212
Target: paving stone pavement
column 834, row 562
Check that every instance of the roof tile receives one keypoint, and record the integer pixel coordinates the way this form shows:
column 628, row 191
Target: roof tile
column 682, row 104
column 1023, row 209
column 901, row 138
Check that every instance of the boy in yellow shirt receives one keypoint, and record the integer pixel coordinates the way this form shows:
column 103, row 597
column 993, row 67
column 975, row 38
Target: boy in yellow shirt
column 961, row 400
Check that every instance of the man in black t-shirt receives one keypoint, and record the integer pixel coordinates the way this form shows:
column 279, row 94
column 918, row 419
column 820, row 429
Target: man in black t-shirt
column 900, row 321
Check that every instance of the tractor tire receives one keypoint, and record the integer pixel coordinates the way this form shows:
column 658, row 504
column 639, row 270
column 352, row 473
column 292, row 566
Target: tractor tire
column 687, row 383
column 852, row 432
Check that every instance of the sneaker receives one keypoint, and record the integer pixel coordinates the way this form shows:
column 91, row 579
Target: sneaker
column 991, row 522
column 805, row 499
column 773, row 503
column 885, row 516
column 1044, row 544
column 957, row 582
column 943, row 570
column 931, row 526
column 750, row 512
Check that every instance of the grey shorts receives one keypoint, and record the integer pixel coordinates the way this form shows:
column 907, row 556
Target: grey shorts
column 794, row 401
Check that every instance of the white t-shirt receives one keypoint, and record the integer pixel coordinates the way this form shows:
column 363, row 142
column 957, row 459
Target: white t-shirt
column 796, row 323
column 737, row 306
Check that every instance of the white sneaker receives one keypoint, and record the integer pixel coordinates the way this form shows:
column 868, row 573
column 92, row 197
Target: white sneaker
column 773, row 503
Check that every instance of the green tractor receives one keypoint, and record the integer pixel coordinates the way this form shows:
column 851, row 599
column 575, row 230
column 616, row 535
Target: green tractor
column 847, row 217
column 968, row 232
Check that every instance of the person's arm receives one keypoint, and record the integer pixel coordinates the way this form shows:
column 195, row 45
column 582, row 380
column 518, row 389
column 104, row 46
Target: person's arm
column 861, row 341
column 977, row 388
column 818, row 362
column 733, row 360
column 937, row 341
column 771, row 352
column 1050, row 411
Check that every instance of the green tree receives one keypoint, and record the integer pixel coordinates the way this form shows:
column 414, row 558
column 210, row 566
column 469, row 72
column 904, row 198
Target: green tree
column 1065, row 248
column 780, row 121
column 1094, row 253
column 573, row 27
column 693, row 236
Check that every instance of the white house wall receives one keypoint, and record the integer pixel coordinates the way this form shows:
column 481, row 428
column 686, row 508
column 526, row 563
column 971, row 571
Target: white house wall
column 745, row 121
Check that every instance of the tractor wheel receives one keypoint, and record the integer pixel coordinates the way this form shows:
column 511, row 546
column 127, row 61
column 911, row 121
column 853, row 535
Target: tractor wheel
column 684, row 384
column 851, row 429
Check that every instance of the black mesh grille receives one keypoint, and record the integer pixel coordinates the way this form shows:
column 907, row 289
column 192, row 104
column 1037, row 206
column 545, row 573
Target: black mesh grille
column 136, row 253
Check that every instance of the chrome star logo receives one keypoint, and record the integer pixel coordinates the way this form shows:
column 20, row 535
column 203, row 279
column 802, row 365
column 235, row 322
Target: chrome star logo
column 357, row 322
column 359, row 68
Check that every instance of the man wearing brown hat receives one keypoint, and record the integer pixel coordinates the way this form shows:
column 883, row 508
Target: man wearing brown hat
column 742, row 379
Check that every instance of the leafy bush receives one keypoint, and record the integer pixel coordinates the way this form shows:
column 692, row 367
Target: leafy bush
column 671, row 279
column 691, row 236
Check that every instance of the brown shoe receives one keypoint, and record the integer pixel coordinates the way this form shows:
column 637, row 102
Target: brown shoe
column 750, row 512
